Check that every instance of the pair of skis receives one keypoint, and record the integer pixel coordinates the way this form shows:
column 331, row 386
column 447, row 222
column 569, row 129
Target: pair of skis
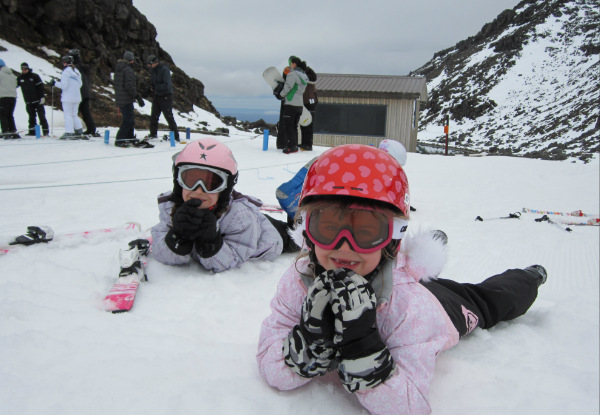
column 132, row 260
column 590, row 220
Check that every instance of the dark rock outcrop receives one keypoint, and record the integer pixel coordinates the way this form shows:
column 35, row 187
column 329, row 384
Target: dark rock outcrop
column 102, row 31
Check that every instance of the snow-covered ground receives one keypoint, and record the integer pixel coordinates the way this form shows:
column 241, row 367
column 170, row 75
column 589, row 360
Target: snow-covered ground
column 189, row 343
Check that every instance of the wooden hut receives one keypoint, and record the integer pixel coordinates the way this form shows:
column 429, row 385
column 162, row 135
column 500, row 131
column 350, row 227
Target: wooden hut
column 367, row 109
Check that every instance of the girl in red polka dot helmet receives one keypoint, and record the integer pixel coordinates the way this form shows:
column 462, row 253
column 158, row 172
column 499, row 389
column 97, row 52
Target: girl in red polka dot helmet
column 354, row 303
column 366, row 183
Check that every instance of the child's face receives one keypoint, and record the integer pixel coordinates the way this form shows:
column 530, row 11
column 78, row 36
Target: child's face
column 345, row 257
column 208, row 199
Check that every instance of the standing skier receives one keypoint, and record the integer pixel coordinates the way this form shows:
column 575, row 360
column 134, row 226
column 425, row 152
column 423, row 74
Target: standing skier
column 8, row 100
column 125, row 94
column 70, row 83
column 310, row 100
column 32, row 88
column 162, row 87
column 84, row 106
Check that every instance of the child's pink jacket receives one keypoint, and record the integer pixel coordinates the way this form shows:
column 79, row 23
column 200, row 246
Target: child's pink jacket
column 411, row 321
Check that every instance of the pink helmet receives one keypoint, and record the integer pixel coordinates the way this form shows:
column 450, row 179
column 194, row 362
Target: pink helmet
column 360, row 171
column 208, row 151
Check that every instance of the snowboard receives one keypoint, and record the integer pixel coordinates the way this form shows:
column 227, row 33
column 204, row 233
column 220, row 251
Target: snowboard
column 272, row 77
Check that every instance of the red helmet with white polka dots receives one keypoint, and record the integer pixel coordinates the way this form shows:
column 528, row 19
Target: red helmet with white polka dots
column 360, row 171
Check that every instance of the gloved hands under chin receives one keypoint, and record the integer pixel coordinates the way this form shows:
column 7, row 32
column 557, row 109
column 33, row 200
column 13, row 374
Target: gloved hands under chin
column 192, row 225
column 308, row 349
column 364, row 360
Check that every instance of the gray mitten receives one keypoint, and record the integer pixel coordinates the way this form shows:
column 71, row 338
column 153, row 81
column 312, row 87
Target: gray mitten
column 364, row 360
column 308, row 349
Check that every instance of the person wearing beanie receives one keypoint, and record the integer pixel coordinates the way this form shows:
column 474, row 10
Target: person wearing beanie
column 8, row 100
column 292, row 96
column 125, row 94
column 162, row 88
column 204, row 220
column 32, row 89
column 84, row 105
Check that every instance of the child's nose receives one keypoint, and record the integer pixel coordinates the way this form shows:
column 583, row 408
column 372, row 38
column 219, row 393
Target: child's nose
column 345, row 246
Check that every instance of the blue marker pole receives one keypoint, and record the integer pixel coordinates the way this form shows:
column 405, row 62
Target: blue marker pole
column 38, row 132
column 266, row 140
column 106, row 136
column 172, row 138
column 187, row 134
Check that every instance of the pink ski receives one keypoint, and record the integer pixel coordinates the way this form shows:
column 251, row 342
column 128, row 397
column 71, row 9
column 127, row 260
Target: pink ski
column 121, row 296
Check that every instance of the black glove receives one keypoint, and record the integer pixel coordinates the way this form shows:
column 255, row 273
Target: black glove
column 364, row 360
column 140, row 101
column 187, row 220
column 177, row 244
column 52, row 82
column 308, row 349
column 209, row 241
column 186, row 223
column 278, row 89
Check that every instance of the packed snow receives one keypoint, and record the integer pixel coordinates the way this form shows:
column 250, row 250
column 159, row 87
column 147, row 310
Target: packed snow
column 189, row 343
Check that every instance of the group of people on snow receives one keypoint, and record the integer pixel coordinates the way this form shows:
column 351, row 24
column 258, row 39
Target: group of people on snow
column 298, row 91
column 75, row 98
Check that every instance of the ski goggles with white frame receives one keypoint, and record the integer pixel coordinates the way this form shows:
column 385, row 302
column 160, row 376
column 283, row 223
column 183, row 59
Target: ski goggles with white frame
column 366, row 230
column 211, row 180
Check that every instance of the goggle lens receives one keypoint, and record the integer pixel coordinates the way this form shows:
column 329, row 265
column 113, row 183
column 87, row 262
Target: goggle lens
column 211, row 180
column 366, row 230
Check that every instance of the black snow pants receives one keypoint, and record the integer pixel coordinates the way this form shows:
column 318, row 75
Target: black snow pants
column 163, row 104
column 499, row 298
column 282, row 227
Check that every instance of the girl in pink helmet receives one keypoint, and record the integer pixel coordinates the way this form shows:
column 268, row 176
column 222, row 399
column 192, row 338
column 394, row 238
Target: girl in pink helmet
column 363, row 301
column 205, row 220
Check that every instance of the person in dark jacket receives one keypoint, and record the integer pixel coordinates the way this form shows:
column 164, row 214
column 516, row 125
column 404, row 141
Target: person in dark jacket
column 162, row 88
column 310, row 102
column 32, row 88
column 125, row 94
column 84, row 105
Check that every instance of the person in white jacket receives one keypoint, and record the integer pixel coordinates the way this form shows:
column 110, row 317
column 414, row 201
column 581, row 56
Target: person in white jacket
column 70, row 83
column 8, row 99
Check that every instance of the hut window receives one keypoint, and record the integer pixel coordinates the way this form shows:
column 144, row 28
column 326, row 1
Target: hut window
column 349, row 119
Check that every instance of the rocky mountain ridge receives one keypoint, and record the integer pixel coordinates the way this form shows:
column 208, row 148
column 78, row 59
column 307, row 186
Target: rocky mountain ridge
column 526, row 84
column 102, row 31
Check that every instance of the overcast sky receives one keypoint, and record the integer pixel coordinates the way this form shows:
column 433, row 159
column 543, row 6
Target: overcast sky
column 227, row 44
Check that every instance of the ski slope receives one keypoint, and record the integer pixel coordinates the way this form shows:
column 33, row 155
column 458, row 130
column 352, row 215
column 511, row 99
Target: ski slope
column 189, row 343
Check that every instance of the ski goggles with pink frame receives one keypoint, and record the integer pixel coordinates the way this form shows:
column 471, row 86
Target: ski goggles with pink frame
column 190, row 177
column 366, row 230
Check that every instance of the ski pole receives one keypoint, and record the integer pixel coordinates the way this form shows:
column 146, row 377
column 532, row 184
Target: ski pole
column 516, row 215
column 545, row 218
column 52, row 110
